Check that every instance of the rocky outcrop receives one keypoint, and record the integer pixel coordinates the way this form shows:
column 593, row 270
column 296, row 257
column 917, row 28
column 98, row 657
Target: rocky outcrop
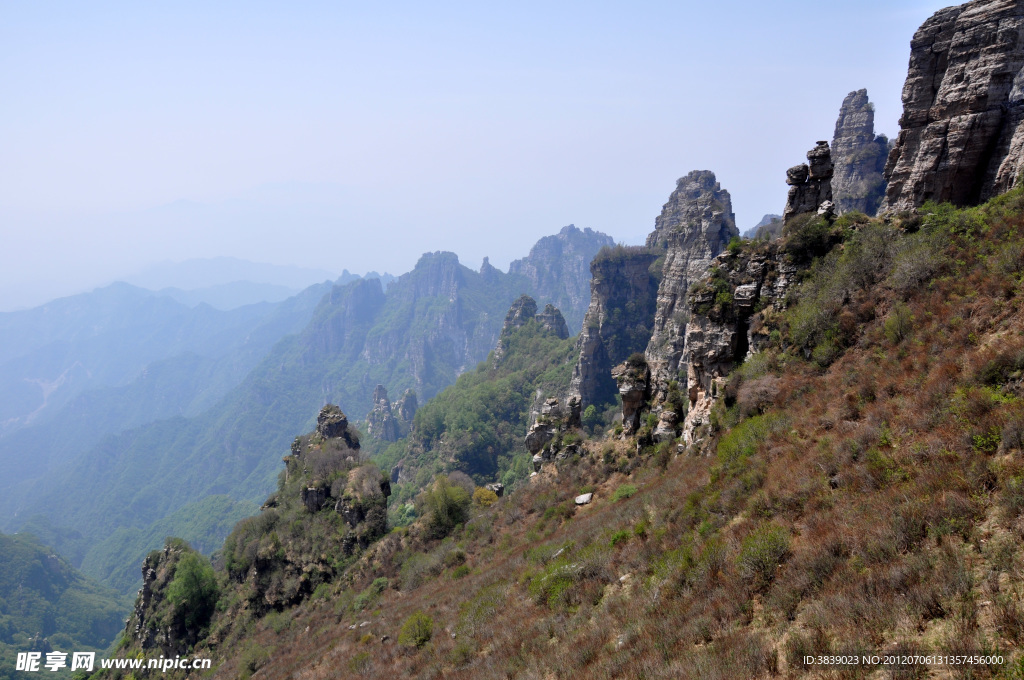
column 551, row 320
column 695, row 225
column 155, row 622
column 633, row 378
column 810, row 184
column 331, row 423
column 406, row 407
column 623, row 300
column 962, row 130
column 522, row 312
column 558, row 270
column 381, row 422
column 729, row 310
column 549, row 436
column 859, row 156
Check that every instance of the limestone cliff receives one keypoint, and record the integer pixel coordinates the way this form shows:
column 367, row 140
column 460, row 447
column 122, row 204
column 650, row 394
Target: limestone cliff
column 962, row 130
column 695, row 225
column 728, row 310
column 558, row 270
column 623, row 300
column 859, row 156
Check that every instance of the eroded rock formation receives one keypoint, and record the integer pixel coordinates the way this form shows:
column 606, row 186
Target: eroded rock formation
column 962, row 130
column 810, row 184
column 695, row 225
column 547, row 439
column 381, row 422
column 724, row 326
column 859, row 157
column 523, row 311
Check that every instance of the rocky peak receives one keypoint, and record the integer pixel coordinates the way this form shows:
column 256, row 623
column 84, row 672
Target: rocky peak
column 859, row 156
column 962, row 130
column 698, row 212
column 769, row 227
column 332, row 423
column 553, row 321
column 380, row 421
column 523, row 311
column 695, row 225
column 558, row 269
column 810, row 183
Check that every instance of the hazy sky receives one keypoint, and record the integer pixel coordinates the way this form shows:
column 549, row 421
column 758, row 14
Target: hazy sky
column 359, row 135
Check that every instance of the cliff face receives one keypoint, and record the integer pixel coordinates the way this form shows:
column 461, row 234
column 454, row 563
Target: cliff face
column 694, row 226
column 558, row 269
column 724, row 326
column 962, row 130
column 623, row 300
column 859, row 157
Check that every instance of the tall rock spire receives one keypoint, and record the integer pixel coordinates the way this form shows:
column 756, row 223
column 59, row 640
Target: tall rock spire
column 859, row 157
column 695, row 225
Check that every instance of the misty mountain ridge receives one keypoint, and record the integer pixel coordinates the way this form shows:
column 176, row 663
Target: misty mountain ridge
column 431, row 324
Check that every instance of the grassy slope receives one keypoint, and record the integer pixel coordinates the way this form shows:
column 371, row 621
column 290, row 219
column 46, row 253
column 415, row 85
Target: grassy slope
column 866, row 493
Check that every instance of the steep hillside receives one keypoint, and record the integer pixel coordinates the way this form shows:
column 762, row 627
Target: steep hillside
column 860, row 493
column 46, row 605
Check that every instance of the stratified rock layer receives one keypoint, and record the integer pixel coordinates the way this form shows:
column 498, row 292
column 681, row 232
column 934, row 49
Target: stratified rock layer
column 859, row 157
column 695, row 225
column 962, row 130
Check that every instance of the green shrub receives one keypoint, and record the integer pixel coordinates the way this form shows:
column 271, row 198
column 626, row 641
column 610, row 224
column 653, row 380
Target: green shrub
column 620, row 536
column 761, row 553
column 447, row 506
column 898, row 324
column 484, row 497
column 194, row 589
column 623, row 492
column 417, row 630
column 460, row 571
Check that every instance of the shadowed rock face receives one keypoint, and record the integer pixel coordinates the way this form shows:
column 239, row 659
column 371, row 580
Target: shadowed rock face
column 695, row 225
column 859, row 157
column 962, row 130
column 623, row 298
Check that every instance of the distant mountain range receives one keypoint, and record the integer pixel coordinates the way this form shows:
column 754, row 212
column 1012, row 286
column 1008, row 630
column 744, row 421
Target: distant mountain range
column 216, row 416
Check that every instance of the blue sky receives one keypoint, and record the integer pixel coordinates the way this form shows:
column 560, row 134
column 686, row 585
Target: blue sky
column 350, row 135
